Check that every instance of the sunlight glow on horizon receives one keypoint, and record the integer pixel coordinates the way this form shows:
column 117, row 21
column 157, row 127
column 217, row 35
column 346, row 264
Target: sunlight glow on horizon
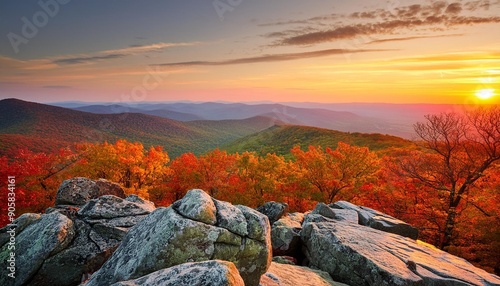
column 485, row 93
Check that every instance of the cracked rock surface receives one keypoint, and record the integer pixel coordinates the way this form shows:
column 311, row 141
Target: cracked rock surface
column 60, row 247
column 359, row 255
column 205, row 273
column 196, row 228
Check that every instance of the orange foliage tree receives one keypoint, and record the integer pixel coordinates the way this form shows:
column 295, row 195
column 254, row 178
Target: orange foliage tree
column 138, row 170
column 37, row 175
column 332, row 171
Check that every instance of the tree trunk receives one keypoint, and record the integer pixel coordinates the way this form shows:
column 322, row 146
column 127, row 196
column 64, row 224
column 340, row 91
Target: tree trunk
column 448, row 229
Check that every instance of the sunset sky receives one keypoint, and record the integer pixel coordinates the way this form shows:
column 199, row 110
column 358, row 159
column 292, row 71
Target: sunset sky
column 396, row 51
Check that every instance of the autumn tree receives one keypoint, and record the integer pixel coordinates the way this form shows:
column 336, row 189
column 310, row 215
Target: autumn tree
column 332, row 171
column 183, row 175
column 217, row 171
column 38, row 176
column 261, row 178
column 460, row 148
column 137, row 169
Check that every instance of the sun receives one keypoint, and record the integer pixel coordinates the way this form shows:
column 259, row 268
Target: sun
column 485, row 93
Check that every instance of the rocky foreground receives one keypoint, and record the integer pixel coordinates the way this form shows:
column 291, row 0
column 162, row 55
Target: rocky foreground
column 94, row 235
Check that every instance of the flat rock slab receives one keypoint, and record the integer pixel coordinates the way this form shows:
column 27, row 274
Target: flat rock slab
column 359, row 255
column 293, row 275
column 378, row 220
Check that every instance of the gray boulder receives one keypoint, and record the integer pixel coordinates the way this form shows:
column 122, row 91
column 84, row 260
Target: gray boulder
column 78, row 191
column 359, row 255
column 82, row 256
column 231, row 218
column 378, row 220
column 292, row 275
column 206, row 273
column 285, row 237
column 273, row 210
column 43, row 238
column 109, row 206
column 19, row 224
column 197, row 205
column 101, row 225
column 348, row 215
column 191, row 230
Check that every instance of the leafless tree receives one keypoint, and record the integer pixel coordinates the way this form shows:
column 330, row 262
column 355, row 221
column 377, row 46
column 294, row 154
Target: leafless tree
column 460, row 148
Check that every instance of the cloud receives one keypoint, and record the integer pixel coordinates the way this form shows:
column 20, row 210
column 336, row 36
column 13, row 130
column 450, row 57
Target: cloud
column 378, row 41
column 274, row 57
column 57, row 86
column 79, row 60
column 438, row 15
column 138, row 49
column 118, row 53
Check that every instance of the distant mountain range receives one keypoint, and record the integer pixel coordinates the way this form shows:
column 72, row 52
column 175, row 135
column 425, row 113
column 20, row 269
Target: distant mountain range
column 392, row 119
column 200, row 127
column 41, row 127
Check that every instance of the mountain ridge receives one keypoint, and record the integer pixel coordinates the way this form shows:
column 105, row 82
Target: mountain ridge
column 26, row 124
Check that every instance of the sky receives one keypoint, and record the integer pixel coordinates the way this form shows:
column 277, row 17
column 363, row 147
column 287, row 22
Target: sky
column 395, row 51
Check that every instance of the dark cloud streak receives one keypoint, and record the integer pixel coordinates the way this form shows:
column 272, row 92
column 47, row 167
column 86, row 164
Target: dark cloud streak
column 274, row 58
column 80, row 60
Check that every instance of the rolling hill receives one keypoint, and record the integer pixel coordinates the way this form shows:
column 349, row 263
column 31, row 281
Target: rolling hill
column 280, row 139
column 117, row 108
column 307, row 116
column 41, row 127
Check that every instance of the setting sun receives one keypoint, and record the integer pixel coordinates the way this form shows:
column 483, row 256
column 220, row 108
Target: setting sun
column 485, row 93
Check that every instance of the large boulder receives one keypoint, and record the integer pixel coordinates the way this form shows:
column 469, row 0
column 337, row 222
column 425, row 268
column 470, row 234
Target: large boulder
column 78, row 191
column 359, row 255
column 100, row 226
column 292, row 275
column 273, row 210
column 196, row 228
column 109, row 206
column 19, row 224
column 378, row 220
column 205, row 273
column 41, row 239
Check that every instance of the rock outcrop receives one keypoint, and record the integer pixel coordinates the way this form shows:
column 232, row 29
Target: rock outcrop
column 273, row 210
column 205, row 273
column 378, row 220
column 199, row 240
column 42, row 239
column 359, row 255
column 68, row 243
column 285, row 236
column 292, row 275
column 78, row 191
column 196, row 228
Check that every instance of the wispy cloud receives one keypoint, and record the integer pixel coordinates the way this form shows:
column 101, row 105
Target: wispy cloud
column 378, row 41
column 57, row 86
column 438, row 15
column 87, row 59
column 274, row 57
column 118, row 53
column 139, row 49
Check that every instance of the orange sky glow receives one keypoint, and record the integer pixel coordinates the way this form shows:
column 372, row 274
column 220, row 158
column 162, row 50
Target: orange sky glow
column 327, row 51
